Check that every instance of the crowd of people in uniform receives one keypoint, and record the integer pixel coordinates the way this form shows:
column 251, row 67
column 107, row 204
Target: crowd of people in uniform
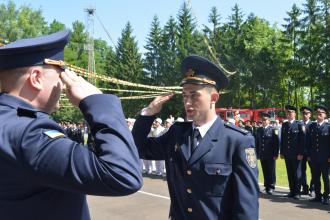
column 75, row 131
column 298, row 142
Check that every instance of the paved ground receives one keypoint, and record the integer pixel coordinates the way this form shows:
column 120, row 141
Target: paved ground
column 152, row 203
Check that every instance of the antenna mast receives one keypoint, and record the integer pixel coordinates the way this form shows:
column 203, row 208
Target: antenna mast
column 90, row 12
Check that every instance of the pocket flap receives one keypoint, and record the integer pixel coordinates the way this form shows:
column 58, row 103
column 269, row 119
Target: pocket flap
column 218, row 169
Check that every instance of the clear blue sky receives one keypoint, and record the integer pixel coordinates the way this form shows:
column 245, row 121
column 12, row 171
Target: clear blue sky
column 114, row 14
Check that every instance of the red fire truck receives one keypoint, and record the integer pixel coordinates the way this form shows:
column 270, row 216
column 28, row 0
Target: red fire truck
column 251, row 114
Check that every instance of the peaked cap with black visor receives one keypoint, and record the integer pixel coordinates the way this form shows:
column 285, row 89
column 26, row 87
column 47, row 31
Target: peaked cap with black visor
column 199, row 70
column 34, row 51
column 321, row 107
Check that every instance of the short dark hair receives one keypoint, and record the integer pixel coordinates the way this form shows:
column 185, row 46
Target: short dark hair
column 210, row 88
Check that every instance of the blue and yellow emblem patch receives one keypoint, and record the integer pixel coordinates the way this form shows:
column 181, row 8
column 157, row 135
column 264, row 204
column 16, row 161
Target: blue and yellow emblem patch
column 54, row 134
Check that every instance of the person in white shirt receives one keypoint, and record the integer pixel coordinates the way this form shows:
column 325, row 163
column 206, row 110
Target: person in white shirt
column 157, row 131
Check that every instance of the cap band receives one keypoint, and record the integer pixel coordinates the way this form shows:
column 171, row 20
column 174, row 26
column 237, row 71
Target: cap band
column 199, row 79
column 59, row 63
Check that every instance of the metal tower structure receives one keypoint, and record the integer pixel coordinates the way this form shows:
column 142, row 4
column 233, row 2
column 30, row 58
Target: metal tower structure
column 90, row 12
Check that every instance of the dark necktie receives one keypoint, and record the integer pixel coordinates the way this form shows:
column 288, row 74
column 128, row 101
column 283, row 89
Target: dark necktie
column 195, row 138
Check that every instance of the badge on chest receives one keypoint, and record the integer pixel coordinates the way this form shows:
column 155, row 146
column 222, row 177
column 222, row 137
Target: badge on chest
column 251, row 157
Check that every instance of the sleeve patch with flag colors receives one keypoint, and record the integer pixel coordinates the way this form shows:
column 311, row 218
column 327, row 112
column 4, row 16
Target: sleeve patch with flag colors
column 54, row 134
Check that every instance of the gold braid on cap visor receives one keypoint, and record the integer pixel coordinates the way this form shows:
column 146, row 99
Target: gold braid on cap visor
column 199, row 79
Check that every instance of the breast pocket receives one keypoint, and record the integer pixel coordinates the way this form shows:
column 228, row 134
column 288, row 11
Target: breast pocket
column 217, row 178
column 269, row 135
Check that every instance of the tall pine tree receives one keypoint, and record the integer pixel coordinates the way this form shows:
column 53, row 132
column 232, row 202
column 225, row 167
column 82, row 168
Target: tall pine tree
column 152, row 55
column 186, row 30
column 129, row 67
column 311, row 46
column 294, row 68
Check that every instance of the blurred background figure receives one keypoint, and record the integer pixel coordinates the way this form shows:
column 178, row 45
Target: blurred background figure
column 157, row 131
column 130, row 123
column 231, row 121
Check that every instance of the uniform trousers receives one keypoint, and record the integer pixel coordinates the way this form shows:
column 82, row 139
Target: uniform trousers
column 293, row 169
column 160, row 167
column 268, row 170
column 318, row 169
column 303, row 181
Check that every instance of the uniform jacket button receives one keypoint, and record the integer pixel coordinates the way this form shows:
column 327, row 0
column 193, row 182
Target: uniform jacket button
column 189, row 209
column 189, row 172
column 189, row 190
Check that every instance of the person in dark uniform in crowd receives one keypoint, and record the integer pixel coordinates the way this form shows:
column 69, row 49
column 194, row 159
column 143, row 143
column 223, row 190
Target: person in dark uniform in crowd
column 267, row 145
column 248, row 126
column 318, row 143
column 292, row 149
column 255, row 127
column 211, row 165
column 306, row 113
column 44, row 174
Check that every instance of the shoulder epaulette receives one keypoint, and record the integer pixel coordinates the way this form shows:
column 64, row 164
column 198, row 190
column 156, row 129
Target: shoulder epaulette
column 234, row 127
column 26, row 112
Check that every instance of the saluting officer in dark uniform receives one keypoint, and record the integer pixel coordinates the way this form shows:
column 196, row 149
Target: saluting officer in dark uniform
column 306, row 113
column 292, row 149
column 267, row 151
column 211, row 165
column 44, row 174
column 318, row 144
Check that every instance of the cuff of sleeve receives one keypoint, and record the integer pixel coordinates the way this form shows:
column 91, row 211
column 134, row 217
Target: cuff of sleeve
column 93, row 107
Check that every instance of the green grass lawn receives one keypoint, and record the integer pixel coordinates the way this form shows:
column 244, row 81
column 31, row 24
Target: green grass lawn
column 281, row 176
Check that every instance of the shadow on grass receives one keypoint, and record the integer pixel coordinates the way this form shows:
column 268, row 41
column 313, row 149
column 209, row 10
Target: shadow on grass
column 279, row 196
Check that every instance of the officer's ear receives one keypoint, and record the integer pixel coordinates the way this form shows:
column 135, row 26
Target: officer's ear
column 35, row 77
column 214, row 96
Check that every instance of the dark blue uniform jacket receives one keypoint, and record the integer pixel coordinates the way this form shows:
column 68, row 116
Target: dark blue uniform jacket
column 45, row 175
column 293, row 139
column 267, row 143
column 319, row 142
column 218, row 181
